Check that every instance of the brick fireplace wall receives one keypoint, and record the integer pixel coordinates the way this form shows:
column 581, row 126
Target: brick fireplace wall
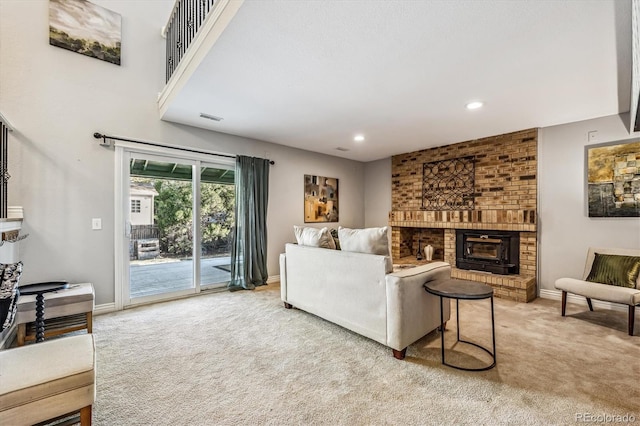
column 505, row 198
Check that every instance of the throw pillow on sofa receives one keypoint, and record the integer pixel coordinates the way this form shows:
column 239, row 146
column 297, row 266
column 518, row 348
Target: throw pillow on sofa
column 368, row 240
column 336, row 240
column 307, row 236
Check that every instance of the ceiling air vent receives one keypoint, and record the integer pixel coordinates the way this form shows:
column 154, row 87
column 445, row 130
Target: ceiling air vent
column 342, row 149
column 210, row 117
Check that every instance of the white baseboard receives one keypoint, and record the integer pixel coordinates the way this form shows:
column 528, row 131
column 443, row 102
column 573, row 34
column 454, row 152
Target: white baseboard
column 273, row 279
column 105, row 308
column 581, row 300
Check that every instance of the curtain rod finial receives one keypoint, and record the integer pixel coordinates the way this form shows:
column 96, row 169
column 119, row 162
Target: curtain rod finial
column 104, row 142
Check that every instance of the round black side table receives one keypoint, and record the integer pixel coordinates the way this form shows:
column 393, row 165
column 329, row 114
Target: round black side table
column 463, row 290
column 39, row 290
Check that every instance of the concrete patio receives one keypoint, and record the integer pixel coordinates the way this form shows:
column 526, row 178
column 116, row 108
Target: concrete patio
column 159, row 276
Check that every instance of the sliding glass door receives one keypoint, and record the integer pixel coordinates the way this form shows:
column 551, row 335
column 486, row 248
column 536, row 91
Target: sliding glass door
column 178, row 216
column 217, row 201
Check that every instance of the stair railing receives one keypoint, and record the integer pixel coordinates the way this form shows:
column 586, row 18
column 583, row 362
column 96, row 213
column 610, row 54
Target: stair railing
column 184, row 22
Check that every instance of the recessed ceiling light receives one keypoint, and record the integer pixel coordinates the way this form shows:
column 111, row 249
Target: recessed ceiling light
column 474, row 105
column 358, row 138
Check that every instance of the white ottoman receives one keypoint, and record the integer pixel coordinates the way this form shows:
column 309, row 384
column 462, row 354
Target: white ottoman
column 47, row 380
column 66, row 310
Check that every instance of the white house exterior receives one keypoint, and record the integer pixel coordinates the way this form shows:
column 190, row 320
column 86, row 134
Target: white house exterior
column 141, row 204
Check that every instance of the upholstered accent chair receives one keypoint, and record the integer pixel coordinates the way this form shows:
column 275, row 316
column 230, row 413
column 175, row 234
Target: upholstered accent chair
column 620, row 280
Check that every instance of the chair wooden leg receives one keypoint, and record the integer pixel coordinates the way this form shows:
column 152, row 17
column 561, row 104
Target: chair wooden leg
column 564, row 302
column 85, row 416
column 589, row 303
column 632, row 318
column 22, row 331
column 89, row 322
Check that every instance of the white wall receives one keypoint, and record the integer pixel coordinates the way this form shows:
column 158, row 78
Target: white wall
column 56, row 99
column 565, row 229
column 377, row 192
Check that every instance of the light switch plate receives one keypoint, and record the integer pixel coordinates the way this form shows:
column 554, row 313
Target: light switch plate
column 96, row 223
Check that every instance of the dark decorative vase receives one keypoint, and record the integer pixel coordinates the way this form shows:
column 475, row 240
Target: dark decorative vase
column 419, row 252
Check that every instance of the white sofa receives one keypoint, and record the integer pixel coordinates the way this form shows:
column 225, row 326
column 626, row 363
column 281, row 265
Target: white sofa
column 606, row 292
column 355, row 291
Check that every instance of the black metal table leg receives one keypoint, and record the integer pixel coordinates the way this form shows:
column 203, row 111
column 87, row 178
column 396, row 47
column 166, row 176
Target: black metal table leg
column 466, row 290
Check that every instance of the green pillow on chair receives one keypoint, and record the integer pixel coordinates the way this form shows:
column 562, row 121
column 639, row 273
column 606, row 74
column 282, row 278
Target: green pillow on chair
column 621, row 271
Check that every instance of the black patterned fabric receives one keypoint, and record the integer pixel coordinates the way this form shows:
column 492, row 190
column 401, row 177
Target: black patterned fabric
column 334, row 235
column 9, row 293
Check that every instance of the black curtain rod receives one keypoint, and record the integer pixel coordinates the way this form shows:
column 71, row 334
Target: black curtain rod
column 105, row 137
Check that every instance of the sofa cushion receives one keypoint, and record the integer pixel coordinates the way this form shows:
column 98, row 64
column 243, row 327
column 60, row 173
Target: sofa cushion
column 621, row 271
column 368, row 240
column 606, row 292
column 313, row 237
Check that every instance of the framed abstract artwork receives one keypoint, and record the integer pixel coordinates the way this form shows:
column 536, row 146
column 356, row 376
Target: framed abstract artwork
column 85, row 28
column 613, row 179
column 320, row 199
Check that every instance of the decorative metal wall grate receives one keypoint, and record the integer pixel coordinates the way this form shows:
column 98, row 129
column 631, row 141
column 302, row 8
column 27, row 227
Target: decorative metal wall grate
column 449, row 184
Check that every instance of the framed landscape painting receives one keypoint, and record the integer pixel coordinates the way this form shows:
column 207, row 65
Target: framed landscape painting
column 320, row 199
column 613, row 179
column 85, row 28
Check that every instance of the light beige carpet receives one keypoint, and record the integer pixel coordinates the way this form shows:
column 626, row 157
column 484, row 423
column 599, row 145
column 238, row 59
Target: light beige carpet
column 241, row 358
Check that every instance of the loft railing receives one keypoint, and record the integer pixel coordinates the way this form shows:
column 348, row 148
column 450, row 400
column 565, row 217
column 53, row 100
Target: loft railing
column 185, row 21
column 5, row 128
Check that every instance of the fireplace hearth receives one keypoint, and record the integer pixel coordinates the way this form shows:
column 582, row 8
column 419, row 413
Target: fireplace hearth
column 497, row 252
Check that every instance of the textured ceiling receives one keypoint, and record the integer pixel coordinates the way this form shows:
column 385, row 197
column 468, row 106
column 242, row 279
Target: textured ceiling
column 312, row 74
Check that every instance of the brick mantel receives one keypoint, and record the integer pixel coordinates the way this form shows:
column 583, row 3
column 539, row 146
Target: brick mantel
column 504, row 220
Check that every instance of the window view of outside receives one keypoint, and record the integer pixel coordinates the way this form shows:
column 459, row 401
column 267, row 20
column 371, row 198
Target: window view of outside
column 161, row 257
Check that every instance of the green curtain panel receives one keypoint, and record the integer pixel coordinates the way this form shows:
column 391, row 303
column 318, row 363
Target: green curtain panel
column 249, row 248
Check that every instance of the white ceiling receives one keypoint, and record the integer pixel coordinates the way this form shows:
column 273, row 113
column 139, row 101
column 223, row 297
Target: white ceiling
column 312, row 74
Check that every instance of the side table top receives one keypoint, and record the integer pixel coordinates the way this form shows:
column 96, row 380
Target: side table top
column 459, row 289
column 40, row 288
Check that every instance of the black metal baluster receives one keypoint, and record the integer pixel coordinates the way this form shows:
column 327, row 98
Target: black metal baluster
column 190, row 22
column 4, row 165
column 174, row 54
column 181, row 31
column 167, row 53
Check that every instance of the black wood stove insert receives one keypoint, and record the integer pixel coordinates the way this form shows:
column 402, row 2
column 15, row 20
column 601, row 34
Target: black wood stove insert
column 490, row 251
